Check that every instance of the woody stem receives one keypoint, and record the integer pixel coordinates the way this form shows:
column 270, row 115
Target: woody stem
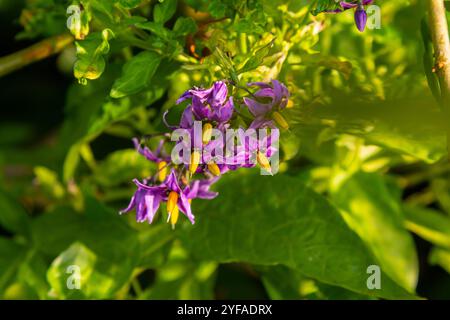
column 441, row 45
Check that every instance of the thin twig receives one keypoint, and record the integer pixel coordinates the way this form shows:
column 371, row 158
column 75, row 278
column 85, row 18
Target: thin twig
column 36, row 52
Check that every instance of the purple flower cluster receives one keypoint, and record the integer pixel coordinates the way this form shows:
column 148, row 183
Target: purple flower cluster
column 176, row 184
column 360, row 11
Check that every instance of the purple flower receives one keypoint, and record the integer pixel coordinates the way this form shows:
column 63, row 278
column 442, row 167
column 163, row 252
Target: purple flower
column 208, row 109
column 178, row 197
column 156, row 156
column 200, row 189
column 159, row 157
column 261, row 148
column 360, row 12
column 268, row 101
column 146, row 201
column 210, row 104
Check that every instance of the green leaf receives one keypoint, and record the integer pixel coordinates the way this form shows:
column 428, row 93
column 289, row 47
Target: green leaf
column 182, row 278
column 13, row 216
column 32, row 273
column 121, row 166
column 155, row 28
column 429, row 224
column 130, row 4
column 137, row 74
column 11, row 255
column 289, row 225
column 90, row 62
column 369, row 208
column 164, row 11
column 218, row 8
column 155, row 242
column 411, row 126
column 48, row 180
column 325, row 5
column 184, row 26
column 104, row 232
column 440, row 257
column 256, row 57
column 283, row 283
column 76, row 263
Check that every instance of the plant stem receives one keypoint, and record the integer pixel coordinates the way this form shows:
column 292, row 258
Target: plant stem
column 36, row 52
column 441, row 45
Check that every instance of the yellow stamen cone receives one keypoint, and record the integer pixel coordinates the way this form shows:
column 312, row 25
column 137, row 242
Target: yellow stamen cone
column 174, row 216
column 195, row 160
column 162, row 171
column 207, row 133
column 172, row 202
column 263, row 161
column 214, row 168
column 290, row 104
column 279, row 119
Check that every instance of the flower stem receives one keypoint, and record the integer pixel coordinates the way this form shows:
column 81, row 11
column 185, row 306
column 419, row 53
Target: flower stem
column 36, row 52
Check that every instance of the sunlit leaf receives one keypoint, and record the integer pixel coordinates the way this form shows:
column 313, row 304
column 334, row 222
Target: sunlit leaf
column 429, row 224
column 374, row 212
column 137, row 74
column 290, row 225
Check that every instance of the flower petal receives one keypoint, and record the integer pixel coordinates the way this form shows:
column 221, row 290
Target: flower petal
column 219, row 93
column 131, row 205
column 347, row 5
column 261, row 122
column 152, row 203
column 146, row 152
column 184, row 96
column 256, row 108
column 199, row 110
column 185, row 207
column 187, row 120
column 225, row 112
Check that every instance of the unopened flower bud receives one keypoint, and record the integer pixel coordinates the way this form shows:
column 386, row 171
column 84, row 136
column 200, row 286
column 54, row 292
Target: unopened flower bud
column 360, row 18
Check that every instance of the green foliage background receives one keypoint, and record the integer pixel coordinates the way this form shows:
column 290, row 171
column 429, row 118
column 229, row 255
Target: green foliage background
column 364, row 176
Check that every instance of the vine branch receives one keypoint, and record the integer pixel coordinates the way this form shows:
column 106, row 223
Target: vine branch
column 36, row 52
